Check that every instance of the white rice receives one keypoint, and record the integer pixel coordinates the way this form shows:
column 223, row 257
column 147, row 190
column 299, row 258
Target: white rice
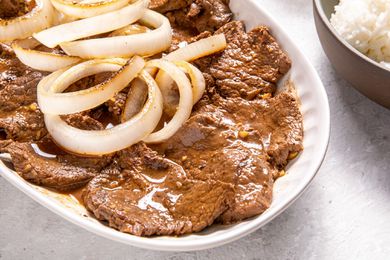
column 365, row 24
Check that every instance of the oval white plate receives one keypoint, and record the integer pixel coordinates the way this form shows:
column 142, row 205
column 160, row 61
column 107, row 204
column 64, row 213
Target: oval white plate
column 315, row 110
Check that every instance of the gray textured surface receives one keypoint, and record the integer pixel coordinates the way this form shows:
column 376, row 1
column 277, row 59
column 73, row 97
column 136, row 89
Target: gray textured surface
column 345, row 214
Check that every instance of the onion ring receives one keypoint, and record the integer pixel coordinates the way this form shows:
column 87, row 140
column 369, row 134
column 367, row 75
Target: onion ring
column 135, row 99
column 92, row 26
column 40, row 60
column 198, row 49
column 129, row 30
column 192, row 51
column 83, row 9
column 51, row 101
column 39, row 18
column 126, row 46
column 166, row 85
column 113, row 139
column 185, row 103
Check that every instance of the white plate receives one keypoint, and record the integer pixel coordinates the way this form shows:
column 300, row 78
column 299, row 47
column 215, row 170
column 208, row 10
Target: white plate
column 315, row 110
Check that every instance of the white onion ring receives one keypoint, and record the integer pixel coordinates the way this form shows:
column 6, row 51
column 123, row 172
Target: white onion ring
column 92, row 26
column 193, row 51
column 39, row 18
column 85, row 9
column 198, row 49
column 51, row 101
column 126, row 46
column 185, row 103
column 106, row 141
column 130, row 30
column 135, row 99
column 40, row 60
column 166, row 85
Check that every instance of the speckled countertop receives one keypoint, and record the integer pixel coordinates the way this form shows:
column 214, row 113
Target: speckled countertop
column 345, row 213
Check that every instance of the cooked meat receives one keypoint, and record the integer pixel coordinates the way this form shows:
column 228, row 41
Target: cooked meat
column 59, row 173
column 202, row 15
column 23, row 124
column 247, row 136
column 251, row 64
column 164, row 6
column 14, row 8
column 145, row 194
column 198, row 15
column 64, row 171
column 17, row 81
column 83, row 121
column 116, row 104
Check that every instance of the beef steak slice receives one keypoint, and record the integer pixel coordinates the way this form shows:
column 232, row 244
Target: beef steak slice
column 63, row 172
column 145, row 194
column 251, row 64
column 59, row 173
column 210, row 146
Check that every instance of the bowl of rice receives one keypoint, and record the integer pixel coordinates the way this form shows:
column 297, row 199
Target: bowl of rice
column 355, row 35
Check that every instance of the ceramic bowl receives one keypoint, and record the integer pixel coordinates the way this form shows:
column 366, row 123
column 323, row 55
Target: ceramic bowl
column 315, row 109
column 366, row 75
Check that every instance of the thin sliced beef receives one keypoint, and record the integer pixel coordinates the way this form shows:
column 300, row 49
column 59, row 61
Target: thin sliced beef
column 145, row 194
column 17, row 81
column 251, row 64
column 202, row 15
column 164, row 6
column 59, row 173
column 237, row 141
column 15, row 8
column 23, row 124
column 43, row 163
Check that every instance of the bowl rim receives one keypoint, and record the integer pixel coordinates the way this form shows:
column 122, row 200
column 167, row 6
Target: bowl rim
column 320, row 10
column 207, row 242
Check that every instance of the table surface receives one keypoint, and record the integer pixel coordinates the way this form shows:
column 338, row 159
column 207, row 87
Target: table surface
column 345, row 213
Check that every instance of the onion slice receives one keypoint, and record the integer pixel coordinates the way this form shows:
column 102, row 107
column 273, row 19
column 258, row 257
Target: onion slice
column 143, row 44
column 84, row 9
column 168, row 88
column 52, row 102
column 40, row 17
column 130, row 30
column 193, row 51
column 40, row 60
column 185, row 103
column 135, row 99
column 92, row 26
column 199, row 49
column 113, row 139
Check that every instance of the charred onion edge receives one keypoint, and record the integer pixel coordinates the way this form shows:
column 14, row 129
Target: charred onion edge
column 95, row 142
column 52, row 101
column 85, row 10
column 185, row 103
column 142, row 44
column 92, row 26
column 39, row 18
column 40, row 60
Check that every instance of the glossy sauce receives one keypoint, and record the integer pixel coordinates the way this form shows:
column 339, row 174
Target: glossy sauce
column 47, row 148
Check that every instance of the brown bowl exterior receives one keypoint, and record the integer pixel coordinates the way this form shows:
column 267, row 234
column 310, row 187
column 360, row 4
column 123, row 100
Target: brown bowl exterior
column 365, row 75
